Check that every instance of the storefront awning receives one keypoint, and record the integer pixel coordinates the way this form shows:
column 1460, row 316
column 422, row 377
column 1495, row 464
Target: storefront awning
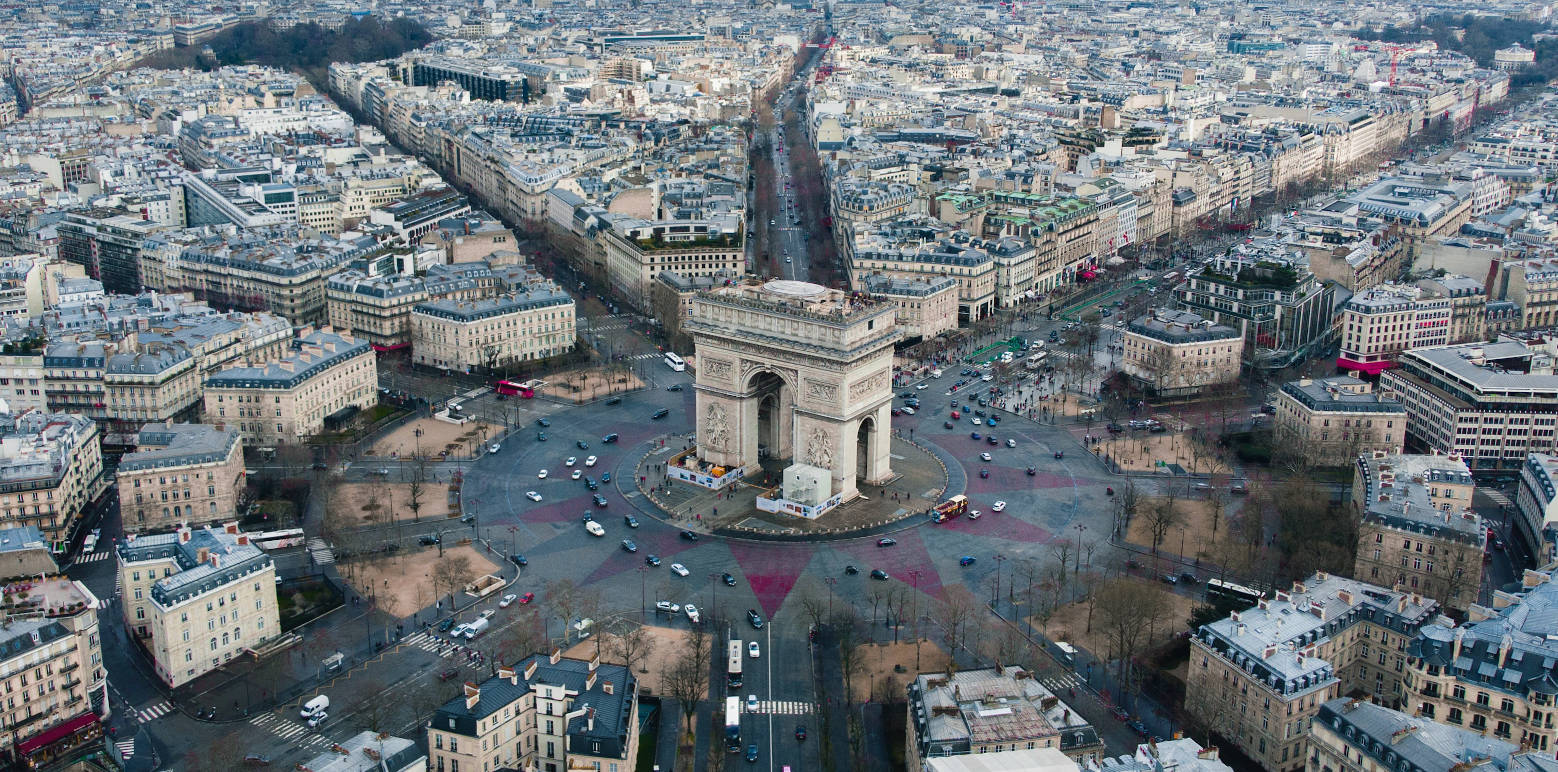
column 56, row 733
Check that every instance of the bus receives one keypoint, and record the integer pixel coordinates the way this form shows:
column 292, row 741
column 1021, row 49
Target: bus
column 1217, row 588
column 278, row 540
column 733, row 669
column 733, row 724
column 951, row 508
column 512, row 389
column 675, row 362
column 1037, row 360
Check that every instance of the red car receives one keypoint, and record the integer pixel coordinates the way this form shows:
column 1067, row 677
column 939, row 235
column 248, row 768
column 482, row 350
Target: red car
column 526, row 598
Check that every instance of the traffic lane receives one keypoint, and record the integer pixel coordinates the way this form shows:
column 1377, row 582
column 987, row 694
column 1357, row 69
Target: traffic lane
column 788, row 668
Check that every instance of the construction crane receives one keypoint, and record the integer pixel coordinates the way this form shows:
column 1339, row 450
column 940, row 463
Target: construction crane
column 1395, row 58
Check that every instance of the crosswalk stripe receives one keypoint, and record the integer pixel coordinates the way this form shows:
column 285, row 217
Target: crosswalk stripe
column 93, row 557
column 784, row 707
column 147, row 715
column 126, row 748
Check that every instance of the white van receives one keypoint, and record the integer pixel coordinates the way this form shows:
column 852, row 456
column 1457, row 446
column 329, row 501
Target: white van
column 315, row 706
column 936, row 373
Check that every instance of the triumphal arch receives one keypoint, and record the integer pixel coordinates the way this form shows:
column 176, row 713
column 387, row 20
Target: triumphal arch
column 788, row 370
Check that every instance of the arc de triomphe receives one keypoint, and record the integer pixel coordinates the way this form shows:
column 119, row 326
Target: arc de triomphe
column 793, row 370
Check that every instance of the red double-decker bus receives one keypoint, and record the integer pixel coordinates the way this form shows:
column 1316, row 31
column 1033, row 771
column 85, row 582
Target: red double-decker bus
column 512, row 389
column 953, row 507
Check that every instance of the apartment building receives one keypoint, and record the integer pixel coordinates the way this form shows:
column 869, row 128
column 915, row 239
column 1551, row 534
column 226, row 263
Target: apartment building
column 1417, row 530
column 1357, row 255
column 670, row 302
column 991, row 710
column 1279, row 306
column 51, row 672
column 370, row 752
column 262, row 269
column 547, row 713
column 915, row 253
column 377, row 306
column 1490, row 403
column 1259, row 677
column 420, row 213
column 1536, row 507
column 1494, row 674
column 637, row 250
column 51, row 468
column 108, row 243
column 1379, row 323
column 1329, row 421
column 1422, row 207
column 1177, row 353
column 533, row 323
column 1532, row 285
column 926, row 307
column 1468, row 306
column 1351, row 734
column 197, row 597
column 468, row 238
column 324, row 379
column 1181, row 755
column 180, row 474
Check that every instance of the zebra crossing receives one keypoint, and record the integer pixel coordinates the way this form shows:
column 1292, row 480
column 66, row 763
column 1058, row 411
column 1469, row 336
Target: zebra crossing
column 1498, row 497
column 147, row 715
column 289, row 730
column 126, row 748
column 650, row 355
column 785, row 707
column 1064, row 683
column 433, row 644
column 320, row 551
column 94, row 557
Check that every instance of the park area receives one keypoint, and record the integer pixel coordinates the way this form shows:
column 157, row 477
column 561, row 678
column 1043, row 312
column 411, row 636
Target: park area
column 429, row 436
column 402, row 583
column 1141, row 451
column 1189, row 530
column 585, row 385
column 886, row 668
column 388, row 502
column 661, row 649
column 1070, row 623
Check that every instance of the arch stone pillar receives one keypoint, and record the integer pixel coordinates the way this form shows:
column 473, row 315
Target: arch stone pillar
column 826, row 354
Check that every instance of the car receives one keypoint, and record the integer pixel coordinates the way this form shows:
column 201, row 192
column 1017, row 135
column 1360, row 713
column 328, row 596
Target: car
column 998, row 506
column 605, row 477
column 674, row 387
column 508, row 600
column 519, row 560
column 751, row 708
column 571, row 460
column 609, row 439
column 1139, row 728
column 614, row 401
column 923, row 386
column 577, row 473
column 630, row 521
column 692, row 613
column 1498, row 543
column 317, row 719
column 427, row 540
column 1011, row 443
column 1119, row 713
column 984, row 474
column 753, row 651
column 679, row 569
column 493, row 448
column 980, row 413
column 966, row 560
column 1171, row 578
column 907, row 410
column 984, row 377
column 589, row 461
column 752, row 748
column 690, row 535
column 588, row 516
column 540, row 436
column 541, row 475
column 984, row 456
column 990, row 422
column 757, row 621
column 384, row 471
column 256, row 760
column 595, row 529
column 524, row 600
column 533, row 496
column 886, row 542
column 446, row 625
column 956, row 416
column 659, row 414
column 591, row 484
column 878, row 574
column 1189, row 577
column 800, row 733
column 974, row 514
column 851, row 570
column 599, row 500
column 318, row 466
column 973, row 435
column 543, row 422
column 730, row 581
column 629, row 546
column 652, row 560
column 667, row 607
column 975, row 421
column 1060, row 454
column 946, row 424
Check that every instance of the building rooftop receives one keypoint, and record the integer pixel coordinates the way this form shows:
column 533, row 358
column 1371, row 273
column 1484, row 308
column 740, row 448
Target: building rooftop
column 1396, row 492
column 367, row 752
column 208, row 559
column 312, row 353
column 170, row 444
column 1412, row 744
column 1341, row 393
column 1172, row 326
column 976, row 707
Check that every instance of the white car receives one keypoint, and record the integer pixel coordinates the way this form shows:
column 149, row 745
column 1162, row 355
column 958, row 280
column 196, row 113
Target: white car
column 751, row 703
column 571, row 461
column 541, row 475
column 508, row 600
column 907, row 410
column 984, row 377
column 319, row 718
column 494, row 447
column 589, row 461
column 753, row 651
column 487, row 614
column 595, row 529
column 577, row 473
column 973, row 514
column 922, row 386
column 984, row 456
column 975, row 420
column 668, row 607
column 532, row 495
column 692, row 613
column 680, row 570
column 998, row 507
column 1011, row 443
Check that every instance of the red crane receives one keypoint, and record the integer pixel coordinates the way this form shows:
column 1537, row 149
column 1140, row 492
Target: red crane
column 1395, row 58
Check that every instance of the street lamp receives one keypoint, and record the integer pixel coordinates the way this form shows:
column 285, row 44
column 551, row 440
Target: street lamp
column 914, row 578
column 713, row 611
column 995, row 593
column 830, row 581
column 1077, row 564
column 643, row 593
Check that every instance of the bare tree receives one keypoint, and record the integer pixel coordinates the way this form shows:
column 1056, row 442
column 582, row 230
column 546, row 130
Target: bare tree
column 1163, row 516
column 1118, row 613
column 851, row 641
column 452, row 573
column 633, row 646
column 688, row 678
column 563, row 595
column 417, row 488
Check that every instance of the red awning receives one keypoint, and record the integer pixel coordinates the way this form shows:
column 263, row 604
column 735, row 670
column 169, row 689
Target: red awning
column 396, row 347
column 56, row 733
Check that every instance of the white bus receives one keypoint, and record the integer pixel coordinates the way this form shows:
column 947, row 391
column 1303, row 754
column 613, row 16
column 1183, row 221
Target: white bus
column 277, row 540
column 733, row 724
column 675, row 362
column 1036, row 360
column 733, row 671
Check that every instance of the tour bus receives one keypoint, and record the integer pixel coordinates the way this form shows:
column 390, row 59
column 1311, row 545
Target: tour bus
column 733, row 672
column 1217, row 588
column 675, row 362
column 951, row 508
column 512, row 389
